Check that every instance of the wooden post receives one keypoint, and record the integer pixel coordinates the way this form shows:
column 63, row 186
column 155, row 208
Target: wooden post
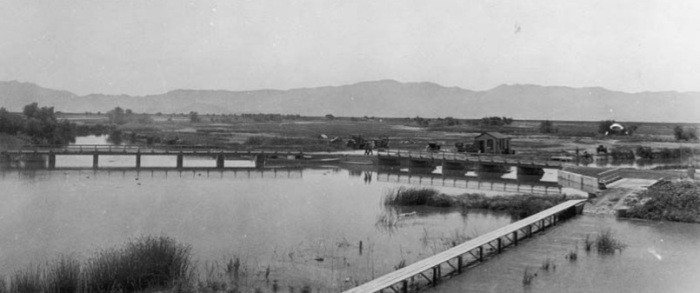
column 515, row 238
column 500, row 245
column 404, row 288
column 95, row 161
column 220, row 161
column 138, row 160
column 180, row 160
column 459, row 264
column 435, row 275
column 52, row 160
column 481, row 254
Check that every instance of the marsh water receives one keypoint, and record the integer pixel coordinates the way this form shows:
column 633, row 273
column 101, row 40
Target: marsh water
column 306, row 225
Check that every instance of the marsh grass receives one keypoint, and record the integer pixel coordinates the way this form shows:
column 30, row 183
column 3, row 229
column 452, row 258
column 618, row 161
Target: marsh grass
column 528, row 277
column 548, row 264
column 63, row 275
column 146, row 263
column 28, row 280
column 518, row 206
column 403, row 196
column 588, row 243
column 607, row 244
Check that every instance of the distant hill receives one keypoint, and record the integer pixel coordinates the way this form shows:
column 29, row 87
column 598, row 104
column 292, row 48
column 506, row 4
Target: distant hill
column 386, row 98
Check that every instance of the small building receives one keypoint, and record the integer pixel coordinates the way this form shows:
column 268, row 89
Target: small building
column 493, row 143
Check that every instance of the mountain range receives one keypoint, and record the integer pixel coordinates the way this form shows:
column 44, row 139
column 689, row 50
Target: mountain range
column 385, row 98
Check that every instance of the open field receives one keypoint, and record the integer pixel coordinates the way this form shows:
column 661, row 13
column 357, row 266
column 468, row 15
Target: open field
column 305, row 133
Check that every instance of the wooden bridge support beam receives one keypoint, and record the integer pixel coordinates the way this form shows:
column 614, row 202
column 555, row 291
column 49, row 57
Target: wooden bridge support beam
column 52, row 161
column 180, row 159
column 95, row 161
column 138, row 160
column 259, row 161
column 220, row 161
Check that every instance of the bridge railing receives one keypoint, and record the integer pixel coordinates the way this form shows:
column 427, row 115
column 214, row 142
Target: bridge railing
column 470, row 157
column 90, row 148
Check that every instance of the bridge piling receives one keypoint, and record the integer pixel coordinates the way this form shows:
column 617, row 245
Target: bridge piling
column 52, row 160
column 95, row 161
column 138, row 160
column 180, row 160
column 220, row 161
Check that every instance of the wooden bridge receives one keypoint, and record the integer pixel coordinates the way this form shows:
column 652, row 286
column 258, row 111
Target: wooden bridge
column 430, row 271
column 137, row 151
column 457, row 159
column 506, row 185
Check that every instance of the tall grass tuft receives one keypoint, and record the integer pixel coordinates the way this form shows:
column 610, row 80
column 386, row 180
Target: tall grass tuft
column 415, row 196
column 63, row 275
column 607, row 244
column 528, row 277
column 588, row 243
column 147, row 262
column 27, row 281
column 3, row 285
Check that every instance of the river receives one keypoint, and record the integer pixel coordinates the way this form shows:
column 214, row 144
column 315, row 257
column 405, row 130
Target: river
column 306, row 224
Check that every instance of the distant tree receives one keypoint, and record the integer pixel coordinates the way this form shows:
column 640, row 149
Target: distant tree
column 547, row 127
column 116, row 116
column 194, row 117
column 10, row 123
column 330, row 117
column 681, row 133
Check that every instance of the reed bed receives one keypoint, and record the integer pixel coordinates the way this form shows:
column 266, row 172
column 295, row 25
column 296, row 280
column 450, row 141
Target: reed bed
column 147, row 263
column 518, row 206
column 607, row 244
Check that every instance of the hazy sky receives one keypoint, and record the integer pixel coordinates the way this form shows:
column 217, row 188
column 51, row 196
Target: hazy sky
column 147, row 47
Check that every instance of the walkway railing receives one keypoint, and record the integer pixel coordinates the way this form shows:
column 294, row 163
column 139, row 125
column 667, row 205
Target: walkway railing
column 502, row 159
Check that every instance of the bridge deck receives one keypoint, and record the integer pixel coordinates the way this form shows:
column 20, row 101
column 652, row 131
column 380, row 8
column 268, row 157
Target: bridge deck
column 421, row 266
column 135, row 149
column 512, row 160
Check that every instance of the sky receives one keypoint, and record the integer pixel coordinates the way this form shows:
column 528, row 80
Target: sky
column 141, row 47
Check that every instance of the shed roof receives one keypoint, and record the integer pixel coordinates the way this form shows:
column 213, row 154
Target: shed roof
column 497, row 135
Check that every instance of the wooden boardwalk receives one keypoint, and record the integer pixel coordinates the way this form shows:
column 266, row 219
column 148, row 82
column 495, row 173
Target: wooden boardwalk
column 429, row 271
column 485, row 159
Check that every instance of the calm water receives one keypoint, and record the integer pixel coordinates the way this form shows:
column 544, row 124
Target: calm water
column 660, row 257
column 284, row 218
column 306, row 224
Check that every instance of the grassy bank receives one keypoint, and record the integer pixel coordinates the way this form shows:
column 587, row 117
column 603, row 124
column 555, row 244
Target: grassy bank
column 518, row 206
column 670, row 201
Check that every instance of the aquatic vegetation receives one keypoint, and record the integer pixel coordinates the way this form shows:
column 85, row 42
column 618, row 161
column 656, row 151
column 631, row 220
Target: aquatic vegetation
column 607, row 244
column 145, row 263
column 27, row 281
column 588, row 243
column 548, row 264
column 518, row 206
column 414, row 197
column 63, row 275
column 528, row 277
